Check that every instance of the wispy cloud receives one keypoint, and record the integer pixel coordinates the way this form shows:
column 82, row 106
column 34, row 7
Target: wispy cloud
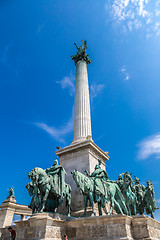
column 95, row 89
column 40, row 27
column 158, row 200
column 125, row 74
column 5, row 60
column 69, row 83
column 149, row 146
column 4, row 53
column 58, row 133
column 135, row 14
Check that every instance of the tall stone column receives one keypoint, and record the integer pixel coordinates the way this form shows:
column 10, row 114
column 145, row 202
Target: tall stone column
column 82, row 154
column 82, row 118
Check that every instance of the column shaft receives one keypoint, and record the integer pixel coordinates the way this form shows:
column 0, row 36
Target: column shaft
column 82, row 117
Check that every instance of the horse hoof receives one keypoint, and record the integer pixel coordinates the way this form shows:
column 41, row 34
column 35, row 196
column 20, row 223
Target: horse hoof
column 93, row 214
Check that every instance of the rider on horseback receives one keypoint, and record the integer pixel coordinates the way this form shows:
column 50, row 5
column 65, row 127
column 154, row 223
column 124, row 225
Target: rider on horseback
column 57, row 174
column 139, row 191
column 100, row 178
column 120, row 181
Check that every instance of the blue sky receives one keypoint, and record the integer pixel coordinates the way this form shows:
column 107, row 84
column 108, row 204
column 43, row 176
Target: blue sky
column 37, row 78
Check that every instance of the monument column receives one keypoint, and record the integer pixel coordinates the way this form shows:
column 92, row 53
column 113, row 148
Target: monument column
column 82, row 118
column 82, row 154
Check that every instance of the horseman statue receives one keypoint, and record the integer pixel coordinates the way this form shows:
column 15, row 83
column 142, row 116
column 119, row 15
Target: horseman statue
column 128, row 193
column 57, row 175
column 48, row 189
column 125, row 196
column 149, row 199
column 97, row 188
column 99, row 177
column 138, row 198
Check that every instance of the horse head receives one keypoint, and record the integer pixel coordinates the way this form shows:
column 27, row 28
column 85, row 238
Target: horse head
column 82, row 181
column 75, row 177
column 33, row 175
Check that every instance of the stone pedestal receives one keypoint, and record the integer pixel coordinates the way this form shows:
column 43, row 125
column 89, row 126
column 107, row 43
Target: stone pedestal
column 81, row 156
column 45, row 226
column 8, row 208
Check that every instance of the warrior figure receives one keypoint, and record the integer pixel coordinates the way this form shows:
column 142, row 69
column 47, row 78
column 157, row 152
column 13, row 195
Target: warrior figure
column 58, row 178
column 139, row 191
column 100, row 177
column 120, row 181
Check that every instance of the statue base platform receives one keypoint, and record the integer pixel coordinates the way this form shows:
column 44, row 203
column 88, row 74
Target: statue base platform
column 81, row 156
column 10, row 199
column 53, row 227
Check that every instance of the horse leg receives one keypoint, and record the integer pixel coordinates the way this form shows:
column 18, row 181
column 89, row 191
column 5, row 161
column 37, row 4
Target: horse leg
column 69, row 210
column 100, row 208
column 104, row 206
column 44, row 199
column 152, row 214
column 112, row 205
column 129, row 210
column 92, row 204
column 85, row 206
column 125, row 210
column 134, row 209
column 119, row 207
column 68, row 203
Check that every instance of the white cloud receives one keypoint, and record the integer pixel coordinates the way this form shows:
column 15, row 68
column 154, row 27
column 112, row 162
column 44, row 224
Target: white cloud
column 158, row 200
column 40, row 27
column 4, row 54
column 125, row 73
column 68, row 82
column 95, row 89
column 135, row 14
column 5, row 60
column 60, row 132
column 149, row 146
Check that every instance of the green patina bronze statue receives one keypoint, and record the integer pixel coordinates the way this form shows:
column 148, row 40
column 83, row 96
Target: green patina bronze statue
column 81, row 54
column 11, row 192
column 139, row 190
column 138, row 198
column 120, row 181
column 48, row 189
column 129, row 194
column 149, row 199
column 99, row 189
column 125, row 196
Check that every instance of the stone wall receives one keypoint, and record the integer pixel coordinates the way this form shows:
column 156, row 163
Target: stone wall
column 53, row 227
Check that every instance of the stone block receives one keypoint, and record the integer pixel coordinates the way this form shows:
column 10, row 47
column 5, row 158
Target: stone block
column 115, row 227
column 144, row 227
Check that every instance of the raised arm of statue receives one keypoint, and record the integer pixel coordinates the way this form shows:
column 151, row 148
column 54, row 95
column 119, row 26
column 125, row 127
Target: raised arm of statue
column 85, row 44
